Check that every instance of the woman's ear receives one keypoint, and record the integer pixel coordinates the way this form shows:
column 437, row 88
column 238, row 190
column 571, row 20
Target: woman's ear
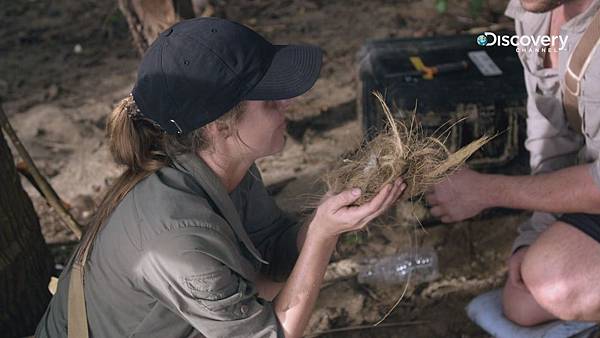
column 217, row 129
column 223, row 129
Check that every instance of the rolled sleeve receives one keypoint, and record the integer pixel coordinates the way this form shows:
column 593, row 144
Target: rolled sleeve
column 273, row 232
column 530, row 230
column 595, row 172
column 210, row 296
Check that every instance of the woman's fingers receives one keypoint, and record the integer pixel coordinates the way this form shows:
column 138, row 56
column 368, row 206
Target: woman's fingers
column 377, row 202
column 336, row 210
column 388, row 195
column 401, row 188
column 344, row 199
column 392, row 197
column 394, row 194
column 355, row 214
column 354, row 217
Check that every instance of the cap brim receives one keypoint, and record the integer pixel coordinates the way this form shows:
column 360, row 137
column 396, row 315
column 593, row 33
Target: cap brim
column 293, row 71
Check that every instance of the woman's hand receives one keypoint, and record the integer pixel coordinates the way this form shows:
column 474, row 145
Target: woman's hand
column 335, row 215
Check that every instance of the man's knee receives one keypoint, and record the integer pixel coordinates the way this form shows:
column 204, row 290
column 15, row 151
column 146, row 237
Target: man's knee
column 548, row 273
column 555, row 294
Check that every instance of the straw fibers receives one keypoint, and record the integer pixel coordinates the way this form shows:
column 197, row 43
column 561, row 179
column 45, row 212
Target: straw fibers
column 399, row 151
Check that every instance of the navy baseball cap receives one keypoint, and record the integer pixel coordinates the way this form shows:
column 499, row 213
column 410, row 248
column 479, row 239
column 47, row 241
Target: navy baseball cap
column 199, row 69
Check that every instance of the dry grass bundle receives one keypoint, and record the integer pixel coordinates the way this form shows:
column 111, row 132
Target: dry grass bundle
column 399, row 151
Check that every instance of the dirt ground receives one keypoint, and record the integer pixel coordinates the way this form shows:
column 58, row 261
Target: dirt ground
column 65, row 64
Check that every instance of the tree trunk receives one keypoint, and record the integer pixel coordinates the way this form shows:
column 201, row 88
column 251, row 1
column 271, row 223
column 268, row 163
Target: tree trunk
column 147, row 18
column 25, row 261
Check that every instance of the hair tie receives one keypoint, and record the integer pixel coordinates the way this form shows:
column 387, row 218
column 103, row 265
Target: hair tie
column 133, row 112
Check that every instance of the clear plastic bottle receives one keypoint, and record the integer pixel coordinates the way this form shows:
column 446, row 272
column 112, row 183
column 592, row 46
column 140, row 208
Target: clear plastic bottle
column 420, row 265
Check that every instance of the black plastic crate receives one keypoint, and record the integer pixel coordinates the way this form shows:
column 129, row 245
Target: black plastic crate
column 492, row 105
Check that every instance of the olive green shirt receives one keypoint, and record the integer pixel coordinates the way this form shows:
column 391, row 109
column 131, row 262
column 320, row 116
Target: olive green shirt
column 178, row 257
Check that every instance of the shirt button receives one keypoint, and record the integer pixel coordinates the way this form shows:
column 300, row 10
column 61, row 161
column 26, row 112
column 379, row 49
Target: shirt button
column 244, row 309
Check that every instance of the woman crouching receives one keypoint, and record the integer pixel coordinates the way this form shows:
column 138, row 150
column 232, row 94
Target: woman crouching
column 188, row 242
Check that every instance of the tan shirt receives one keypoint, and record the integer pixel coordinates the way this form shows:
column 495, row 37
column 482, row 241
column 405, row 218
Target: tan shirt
column 551, row 144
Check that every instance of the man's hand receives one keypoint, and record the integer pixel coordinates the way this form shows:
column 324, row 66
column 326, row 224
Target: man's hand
column 461, row 196
column 514, row 268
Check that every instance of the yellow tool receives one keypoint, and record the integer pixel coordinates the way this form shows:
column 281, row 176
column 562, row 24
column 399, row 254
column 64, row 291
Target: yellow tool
column 429, row 72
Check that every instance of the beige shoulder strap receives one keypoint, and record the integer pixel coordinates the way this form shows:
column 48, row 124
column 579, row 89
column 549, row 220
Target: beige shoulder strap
column 77, row 325
column 578, row 62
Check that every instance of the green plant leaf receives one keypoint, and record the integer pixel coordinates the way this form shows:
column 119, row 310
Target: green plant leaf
column 441, row 6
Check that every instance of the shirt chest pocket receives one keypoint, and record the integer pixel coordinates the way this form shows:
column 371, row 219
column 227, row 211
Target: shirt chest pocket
column 589, row 101
column 591, row 119
column 222, row 294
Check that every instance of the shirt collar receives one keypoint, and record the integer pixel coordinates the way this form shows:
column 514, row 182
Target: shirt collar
column 514, row 10
column 211, row 184
column 577, row 24
column 580, row 22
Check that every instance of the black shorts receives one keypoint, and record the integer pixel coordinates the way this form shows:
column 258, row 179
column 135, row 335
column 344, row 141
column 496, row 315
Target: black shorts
column 588, row 223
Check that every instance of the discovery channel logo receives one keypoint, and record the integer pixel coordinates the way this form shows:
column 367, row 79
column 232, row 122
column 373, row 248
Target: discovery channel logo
column 524, row 43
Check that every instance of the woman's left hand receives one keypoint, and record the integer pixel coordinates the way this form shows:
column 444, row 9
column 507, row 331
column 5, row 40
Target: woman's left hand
column 336, row 214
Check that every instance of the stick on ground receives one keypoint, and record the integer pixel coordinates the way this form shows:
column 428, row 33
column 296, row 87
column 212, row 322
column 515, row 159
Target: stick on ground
column 46, row 189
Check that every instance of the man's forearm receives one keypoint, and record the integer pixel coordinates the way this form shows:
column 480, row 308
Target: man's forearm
column 567, row 190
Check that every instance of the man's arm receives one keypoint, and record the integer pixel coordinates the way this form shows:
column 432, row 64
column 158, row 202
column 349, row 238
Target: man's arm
column 568, row 190
column 466, row 193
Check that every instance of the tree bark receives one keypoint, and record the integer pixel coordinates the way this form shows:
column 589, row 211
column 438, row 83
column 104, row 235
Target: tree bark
column 25, row 261
column 147, row 18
